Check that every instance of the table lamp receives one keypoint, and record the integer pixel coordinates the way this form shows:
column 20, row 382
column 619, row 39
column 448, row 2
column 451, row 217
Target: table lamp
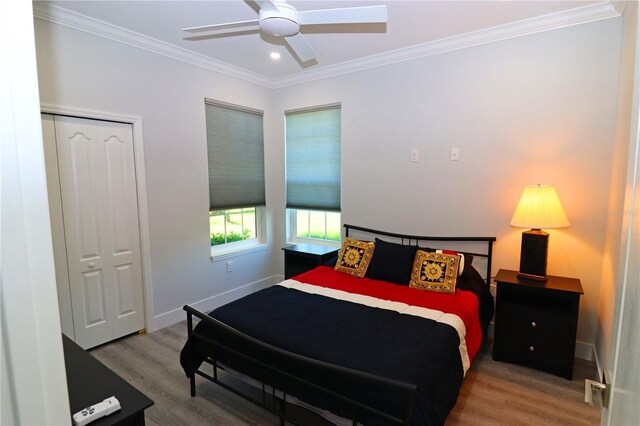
column 539, row 207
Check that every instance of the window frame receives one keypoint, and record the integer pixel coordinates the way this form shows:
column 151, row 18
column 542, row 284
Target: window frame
column 291, row 212
column 237, row 248
column 327, row 201
column 292, row 230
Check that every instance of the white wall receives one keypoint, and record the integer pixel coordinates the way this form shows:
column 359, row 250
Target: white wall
column 536, row 109
column 83, row 71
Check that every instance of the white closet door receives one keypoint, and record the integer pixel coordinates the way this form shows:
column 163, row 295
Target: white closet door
column 122, row 226
column 97, row 181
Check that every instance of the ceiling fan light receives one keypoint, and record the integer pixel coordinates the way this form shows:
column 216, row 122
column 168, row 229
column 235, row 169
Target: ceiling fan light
column 281, row 27
column 282, row 23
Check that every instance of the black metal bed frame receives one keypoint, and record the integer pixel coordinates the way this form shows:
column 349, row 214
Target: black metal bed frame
column 414, row 239
column 274, row 398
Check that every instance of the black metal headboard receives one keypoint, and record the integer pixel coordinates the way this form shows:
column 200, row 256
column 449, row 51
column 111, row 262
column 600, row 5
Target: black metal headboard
column 415, row 239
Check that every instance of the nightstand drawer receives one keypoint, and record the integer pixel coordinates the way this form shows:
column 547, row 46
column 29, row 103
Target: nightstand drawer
column 546, row 355
column 532, row 322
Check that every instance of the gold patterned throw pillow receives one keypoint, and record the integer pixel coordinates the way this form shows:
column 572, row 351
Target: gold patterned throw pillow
column 355, row 257
column 435, row 272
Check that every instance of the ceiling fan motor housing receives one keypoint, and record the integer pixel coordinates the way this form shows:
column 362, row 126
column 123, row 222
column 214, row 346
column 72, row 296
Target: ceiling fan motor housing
column 282, row 23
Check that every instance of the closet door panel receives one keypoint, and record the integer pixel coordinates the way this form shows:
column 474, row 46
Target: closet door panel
column 93, row 299
column 125, row 291
column 81, row 171
column 122, row 226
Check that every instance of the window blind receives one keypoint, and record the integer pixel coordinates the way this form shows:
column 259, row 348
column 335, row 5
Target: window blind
column 235, row 152
column 313, row 158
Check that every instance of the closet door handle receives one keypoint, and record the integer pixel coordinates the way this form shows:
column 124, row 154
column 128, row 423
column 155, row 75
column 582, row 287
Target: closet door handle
column 91, row 265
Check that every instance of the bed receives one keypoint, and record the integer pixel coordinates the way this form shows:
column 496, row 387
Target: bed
column 361, row 350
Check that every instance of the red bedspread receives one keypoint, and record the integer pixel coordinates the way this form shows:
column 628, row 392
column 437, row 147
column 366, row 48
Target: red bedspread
column 463, row 304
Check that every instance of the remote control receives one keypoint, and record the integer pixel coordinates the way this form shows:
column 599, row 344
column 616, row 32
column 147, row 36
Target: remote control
column 96, row 411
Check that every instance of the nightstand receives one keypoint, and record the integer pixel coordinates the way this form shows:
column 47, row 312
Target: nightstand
column 301, row 258
column 536, row 322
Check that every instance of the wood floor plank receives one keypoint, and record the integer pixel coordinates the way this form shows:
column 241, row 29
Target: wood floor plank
column 493, row 393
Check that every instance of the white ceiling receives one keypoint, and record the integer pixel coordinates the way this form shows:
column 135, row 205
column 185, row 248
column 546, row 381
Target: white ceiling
column 411, row 24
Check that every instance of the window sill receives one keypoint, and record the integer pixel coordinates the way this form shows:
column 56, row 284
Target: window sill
column 230, row 254
column 313, row 241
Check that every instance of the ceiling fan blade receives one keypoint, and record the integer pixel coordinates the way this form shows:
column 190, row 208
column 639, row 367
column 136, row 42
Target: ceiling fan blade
column 266, row 5
column 228, row 25
column 301, row 47
column 348, row 15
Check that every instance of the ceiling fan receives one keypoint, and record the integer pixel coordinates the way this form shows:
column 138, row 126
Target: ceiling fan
column 279, row 18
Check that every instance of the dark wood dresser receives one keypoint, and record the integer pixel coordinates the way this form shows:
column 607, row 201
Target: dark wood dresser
column 89, row 382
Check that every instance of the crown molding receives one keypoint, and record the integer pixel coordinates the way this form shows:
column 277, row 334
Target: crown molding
column 620, row 5
column 577, row 16
column 59, row 15
column 580, row 15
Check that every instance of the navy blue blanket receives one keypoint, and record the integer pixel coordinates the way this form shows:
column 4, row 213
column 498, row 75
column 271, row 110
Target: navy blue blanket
column 378, row 341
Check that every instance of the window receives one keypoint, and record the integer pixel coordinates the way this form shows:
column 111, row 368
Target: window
column 318, row 225
column 228, row 226
column 235, row 152
column 313, row 174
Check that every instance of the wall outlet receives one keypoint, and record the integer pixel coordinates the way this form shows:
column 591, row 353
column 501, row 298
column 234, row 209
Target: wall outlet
column 455, row 154
column 230, row 266
column 415, row 155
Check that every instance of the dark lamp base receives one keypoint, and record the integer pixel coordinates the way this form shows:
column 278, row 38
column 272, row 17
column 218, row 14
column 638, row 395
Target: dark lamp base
column 533, row 255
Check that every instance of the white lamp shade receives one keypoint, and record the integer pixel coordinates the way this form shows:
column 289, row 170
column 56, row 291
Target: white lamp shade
column 539, row 207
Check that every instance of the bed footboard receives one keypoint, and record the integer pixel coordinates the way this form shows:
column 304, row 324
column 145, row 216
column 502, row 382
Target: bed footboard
column 272, row 377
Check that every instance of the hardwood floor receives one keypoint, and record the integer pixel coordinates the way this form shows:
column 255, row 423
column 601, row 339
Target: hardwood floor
column 497, row 393
column 493, row 393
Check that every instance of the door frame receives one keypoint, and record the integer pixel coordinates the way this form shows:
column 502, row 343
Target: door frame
column 629, row 245
column 141, row 188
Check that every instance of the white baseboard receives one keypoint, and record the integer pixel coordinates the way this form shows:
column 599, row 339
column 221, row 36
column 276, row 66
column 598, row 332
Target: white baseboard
column 585, row 350
column 598, row 364
column 176, row 315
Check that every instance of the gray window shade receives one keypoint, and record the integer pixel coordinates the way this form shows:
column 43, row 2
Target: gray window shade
column 313, row 159
column 236, row 157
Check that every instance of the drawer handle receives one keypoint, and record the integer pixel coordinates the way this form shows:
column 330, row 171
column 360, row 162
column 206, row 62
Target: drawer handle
column 531, row 349
column 533, row 324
